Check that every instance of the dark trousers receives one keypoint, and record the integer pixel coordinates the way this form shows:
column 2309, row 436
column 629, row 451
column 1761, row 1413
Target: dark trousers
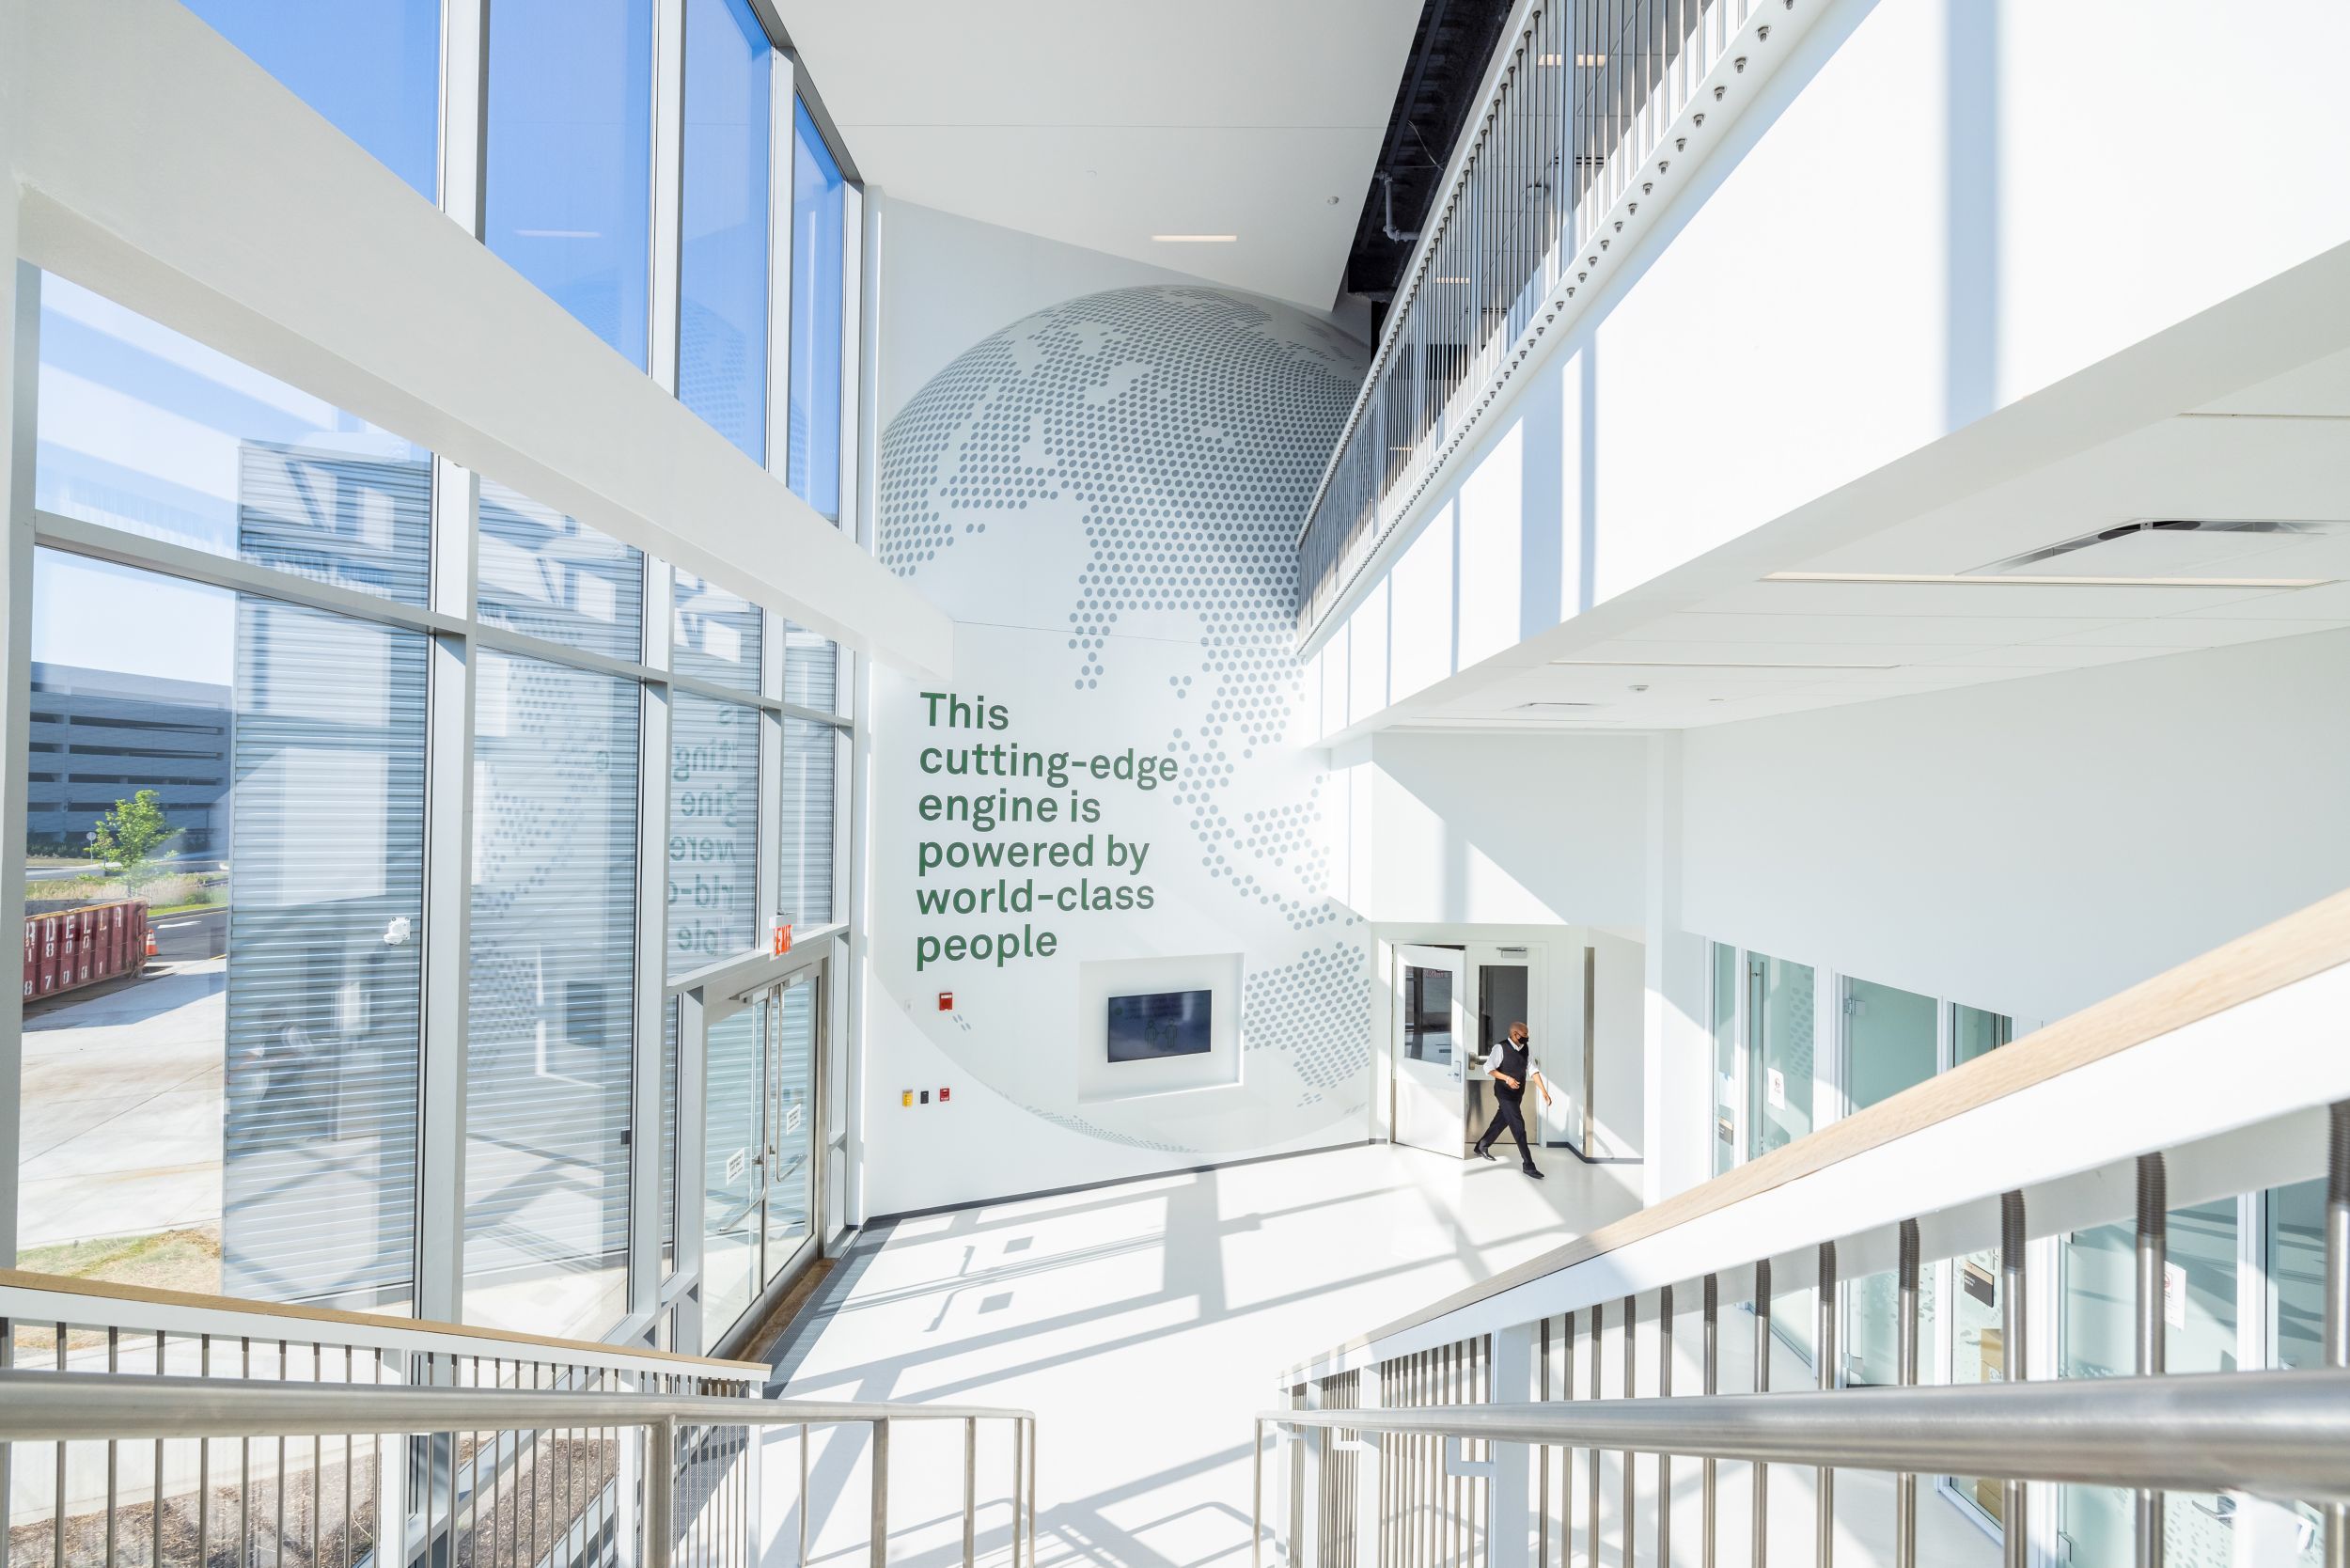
column 1507, row 1116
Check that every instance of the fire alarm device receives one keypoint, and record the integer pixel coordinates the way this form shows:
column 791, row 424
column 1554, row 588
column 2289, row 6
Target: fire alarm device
column 946, row 1001
column 906, row 1098
column 942, row 1096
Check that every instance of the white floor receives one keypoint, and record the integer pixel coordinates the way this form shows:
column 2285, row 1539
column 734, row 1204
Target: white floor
column 1144, row 1324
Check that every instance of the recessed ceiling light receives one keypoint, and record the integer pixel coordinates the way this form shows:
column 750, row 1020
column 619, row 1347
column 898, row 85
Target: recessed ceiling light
column 1702, row 664
column 1195, row 239
column 2015, row 580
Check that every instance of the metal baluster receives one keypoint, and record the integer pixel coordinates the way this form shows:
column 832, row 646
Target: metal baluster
column 1029, row 1425
column 1905, row 1485
column 245, row 1469
column 2154, row 1243
column 538, row 1456
column 1019, row 1461
column 1542, row 1491
column 155, row 1513
column 1664, row 1461
column 1824, row 1351
column 2014, row 1502
column 351, row 1463
column 802, row 1560
column 1712, row 1358
column 2338, row 1296
column 1762, row 1386
column 1631, row 1391
column 277, row 1546
column 113, row 1368
column 56, row 1523
column 1591, row 1501
column 204, row 1468
column 318, row 1460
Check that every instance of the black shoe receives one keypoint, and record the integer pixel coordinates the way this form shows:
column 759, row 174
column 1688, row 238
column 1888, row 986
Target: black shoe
column 1532, row 1171
column 1484, row 1152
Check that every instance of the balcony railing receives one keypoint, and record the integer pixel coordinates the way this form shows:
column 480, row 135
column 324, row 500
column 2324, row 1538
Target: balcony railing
column 1572, row 141
column 1974, row 1285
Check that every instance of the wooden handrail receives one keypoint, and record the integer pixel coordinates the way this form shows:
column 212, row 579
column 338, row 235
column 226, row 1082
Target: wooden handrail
column 380, row 1322
column 2301, row 945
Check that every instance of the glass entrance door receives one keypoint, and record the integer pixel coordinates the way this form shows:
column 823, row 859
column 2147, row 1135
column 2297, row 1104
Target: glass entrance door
column 791, row 1054
column 734, row 1163
column 761, row 1134
column 1431, row 1044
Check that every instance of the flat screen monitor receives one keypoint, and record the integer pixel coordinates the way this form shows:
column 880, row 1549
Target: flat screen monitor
column 1161, row 1024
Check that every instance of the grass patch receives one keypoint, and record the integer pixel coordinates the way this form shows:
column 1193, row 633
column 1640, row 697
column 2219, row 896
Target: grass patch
column 182, row 1260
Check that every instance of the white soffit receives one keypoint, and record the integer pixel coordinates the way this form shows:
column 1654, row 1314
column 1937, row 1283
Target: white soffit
column 1102, row 125
column 2274, row 455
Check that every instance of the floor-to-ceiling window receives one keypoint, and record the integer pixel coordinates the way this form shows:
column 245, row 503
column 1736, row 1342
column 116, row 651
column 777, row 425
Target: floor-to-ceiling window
column 1780, row 1036
column 423, row 790
column 231, row 754
column 551, row 1002
column 235, row 777
column 817, row 209
column 567, row 195
column 374, row 70
column 726, row 192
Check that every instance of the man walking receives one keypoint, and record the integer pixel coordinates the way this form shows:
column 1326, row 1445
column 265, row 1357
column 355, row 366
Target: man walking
column 1510, row 1068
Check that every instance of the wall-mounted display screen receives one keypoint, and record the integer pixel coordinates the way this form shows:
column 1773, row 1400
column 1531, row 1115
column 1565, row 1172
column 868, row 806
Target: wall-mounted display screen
column 1163, row 1024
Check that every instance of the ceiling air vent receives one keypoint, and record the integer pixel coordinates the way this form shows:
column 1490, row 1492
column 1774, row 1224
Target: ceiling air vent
column 2155, row 533
column 1522, row 706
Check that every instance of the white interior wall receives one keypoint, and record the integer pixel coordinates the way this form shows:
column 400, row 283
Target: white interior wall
column 1011, row 1048
column 1479, row 828
column 2031, row 846
column 1936, row 211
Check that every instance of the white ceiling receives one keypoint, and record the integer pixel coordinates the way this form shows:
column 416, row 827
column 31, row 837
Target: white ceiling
column 1102, row 122
column 2279, row 452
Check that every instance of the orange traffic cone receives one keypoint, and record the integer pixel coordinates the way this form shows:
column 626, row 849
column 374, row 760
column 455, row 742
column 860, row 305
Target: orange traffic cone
column 150, row 941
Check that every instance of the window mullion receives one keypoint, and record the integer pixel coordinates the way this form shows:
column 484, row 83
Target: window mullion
column 669, row 164
column 451, row 685
column 20, row 384
column 651, row 1138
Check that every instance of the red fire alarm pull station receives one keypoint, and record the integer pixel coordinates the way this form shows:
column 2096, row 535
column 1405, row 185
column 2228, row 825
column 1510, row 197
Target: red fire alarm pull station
column 946, row 1001
column 783, row 938
column 943, row 1095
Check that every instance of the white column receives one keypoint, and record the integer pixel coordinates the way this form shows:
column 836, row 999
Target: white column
column 1510, row 1498
column 1677, row 1104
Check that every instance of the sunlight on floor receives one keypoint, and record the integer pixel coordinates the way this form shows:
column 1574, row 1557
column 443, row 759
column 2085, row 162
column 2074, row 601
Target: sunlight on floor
column 1145, row 1324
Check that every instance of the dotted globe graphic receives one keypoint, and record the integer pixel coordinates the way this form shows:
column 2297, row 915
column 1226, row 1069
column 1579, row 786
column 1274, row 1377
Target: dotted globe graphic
column 1187, row 428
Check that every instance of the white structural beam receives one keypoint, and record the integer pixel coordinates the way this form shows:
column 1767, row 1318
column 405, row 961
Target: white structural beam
column 176, row 175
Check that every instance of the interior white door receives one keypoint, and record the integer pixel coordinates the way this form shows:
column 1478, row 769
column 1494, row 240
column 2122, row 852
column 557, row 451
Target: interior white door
column 1431, row 1044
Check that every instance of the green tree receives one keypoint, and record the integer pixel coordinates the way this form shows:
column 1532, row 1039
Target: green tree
column 129, row 834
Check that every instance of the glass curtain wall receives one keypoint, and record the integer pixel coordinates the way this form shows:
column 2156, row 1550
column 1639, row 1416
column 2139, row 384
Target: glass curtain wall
column 229, row 762
column 723, row 287
column 552, row 1000
column 570, row 175
column 568, row 189
column 817, row 253
column 374, row 71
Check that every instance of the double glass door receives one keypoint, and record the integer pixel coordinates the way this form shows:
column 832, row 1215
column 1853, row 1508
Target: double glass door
column 759, row 1145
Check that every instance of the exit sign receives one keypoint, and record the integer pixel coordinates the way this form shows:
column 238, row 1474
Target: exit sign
column 783, row 938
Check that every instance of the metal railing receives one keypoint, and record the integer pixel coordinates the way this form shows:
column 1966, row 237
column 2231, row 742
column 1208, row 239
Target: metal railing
column 1570, row 142
column 1437, row 1492
column 194, row 1441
